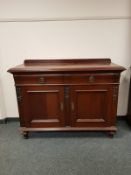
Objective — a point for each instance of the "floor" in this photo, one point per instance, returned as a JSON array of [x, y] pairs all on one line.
[[66, 153]]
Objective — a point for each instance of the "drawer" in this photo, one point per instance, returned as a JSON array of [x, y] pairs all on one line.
[[38, 79], [92, 78]]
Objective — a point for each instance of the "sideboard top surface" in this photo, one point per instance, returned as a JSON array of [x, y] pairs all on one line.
[[67, 65]]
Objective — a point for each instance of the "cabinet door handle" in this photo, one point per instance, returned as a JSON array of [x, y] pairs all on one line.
[[72, 106], [61, 106]]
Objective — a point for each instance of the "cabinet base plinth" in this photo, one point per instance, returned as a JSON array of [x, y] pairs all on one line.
[[111, 130]]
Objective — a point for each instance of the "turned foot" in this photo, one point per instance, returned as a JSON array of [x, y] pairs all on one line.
[[111, 134], [25, 134]]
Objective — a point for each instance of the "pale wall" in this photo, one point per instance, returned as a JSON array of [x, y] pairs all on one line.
[[62, 39], [63, 8]]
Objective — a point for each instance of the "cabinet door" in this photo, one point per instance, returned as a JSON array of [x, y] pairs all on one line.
[[43, 106], [93, 106]]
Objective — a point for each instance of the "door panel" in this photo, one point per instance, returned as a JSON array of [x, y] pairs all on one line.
[[91, 105], [45, 106]]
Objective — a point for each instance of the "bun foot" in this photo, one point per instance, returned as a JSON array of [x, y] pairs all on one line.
[[25, 134], [111, 134]]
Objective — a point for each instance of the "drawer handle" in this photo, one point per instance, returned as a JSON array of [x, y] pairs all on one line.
[[91, 79], [41, 80]]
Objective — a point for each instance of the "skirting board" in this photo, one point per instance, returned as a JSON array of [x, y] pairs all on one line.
[[16, 119], [10, 119]]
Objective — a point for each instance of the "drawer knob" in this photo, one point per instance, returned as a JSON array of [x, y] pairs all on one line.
[[91, 79], [41, 80]]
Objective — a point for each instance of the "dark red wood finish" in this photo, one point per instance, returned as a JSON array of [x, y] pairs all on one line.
[[67, 94]]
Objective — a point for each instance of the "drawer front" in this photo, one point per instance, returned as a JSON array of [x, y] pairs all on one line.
[[38, 79], [66, 79], [93, 79]]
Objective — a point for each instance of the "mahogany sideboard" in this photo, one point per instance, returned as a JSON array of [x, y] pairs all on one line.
[[67, 95]]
